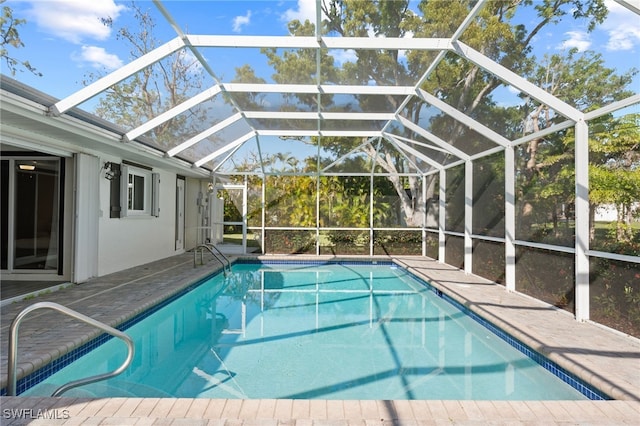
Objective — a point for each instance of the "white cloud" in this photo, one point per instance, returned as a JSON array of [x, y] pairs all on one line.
[[342, 56], [240, 21], [576, 39], [306, 10], [622, 27], [97, 57], [75, 20]]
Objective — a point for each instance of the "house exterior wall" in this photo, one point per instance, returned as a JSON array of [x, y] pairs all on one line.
[[95, 244], [133, 240]]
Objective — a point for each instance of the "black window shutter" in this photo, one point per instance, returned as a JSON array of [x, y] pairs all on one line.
[[114, 209]]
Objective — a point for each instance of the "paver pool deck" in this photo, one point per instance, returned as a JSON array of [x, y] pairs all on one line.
[[608, 360]]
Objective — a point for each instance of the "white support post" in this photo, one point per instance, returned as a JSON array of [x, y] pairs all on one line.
[[245, 213], [582, 221], [424, 216], [510, 218], [442, 215], [468, 217], [87, 213], [263, 204], [371, 206], [318, 188]]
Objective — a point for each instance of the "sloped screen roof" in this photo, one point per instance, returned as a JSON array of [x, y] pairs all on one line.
[[361, 87]]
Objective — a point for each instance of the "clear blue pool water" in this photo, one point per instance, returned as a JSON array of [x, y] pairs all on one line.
[[330, 331]]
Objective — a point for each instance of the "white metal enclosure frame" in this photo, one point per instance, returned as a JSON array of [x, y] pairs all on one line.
[[573, 118]]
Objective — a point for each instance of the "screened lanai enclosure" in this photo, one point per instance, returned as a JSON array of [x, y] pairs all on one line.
[[427, 128]]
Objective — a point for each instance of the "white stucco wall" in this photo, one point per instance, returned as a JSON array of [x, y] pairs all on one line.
[[135, 240]]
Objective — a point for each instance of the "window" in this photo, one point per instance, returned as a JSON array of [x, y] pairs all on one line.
[[139, 191], [136, 192]]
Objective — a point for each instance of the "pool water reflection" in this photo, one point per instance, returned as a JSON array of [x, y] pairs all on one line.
[[329, 331]]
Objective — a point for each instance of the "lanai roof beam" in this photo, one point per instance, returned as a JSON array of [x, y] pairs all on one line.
[[405, 155], [415, 142], [322, 89], [116, 76], [194, 50], [219, 152], [342, 157], [289, 42], [404, 147], [634, 7], [517, 81], [463, 118], [168, 115], [328, 133], [313, 115], [204, 134], [544, 132], [615, 106], [433, 138]]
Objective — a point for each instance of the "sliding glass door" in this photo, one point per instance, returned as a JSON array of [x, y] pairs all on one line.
[[30, 214]]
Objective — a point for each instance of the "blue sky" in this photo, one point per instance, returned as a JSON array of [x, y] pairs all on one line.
[[65, 40]]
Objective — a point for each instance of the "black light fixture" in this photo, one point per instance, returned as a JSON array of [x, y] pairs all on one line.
[[110, 172]]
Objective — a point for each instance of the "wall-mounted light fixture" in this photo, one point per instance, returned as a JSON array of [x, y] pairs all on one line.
[[110, 172], [29, 167]]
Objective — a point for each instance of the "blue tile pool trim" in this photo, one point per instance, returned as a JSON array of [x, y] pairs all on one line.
[[58, 364], [558, 371], [317, 262], [569, 378], [572, 380]]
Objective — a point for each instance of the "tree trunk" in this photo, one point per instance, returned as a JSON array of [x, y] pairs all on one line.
[[554, 217], [592, 222]]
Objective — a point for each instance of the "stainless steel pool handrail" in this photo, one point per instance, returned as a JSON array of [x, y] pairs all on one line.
[[213, 247], [215, 251], [13, 347]]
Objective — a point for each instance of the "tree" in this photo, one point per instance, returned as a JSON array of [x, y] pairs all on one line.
[[547, 171], [11, 37], [460, 83], [614, 171], [154, 89], [580, 79], [248, 101]]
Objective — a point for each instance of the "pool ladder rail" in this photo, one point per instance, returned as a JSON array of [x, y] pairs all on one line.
[[13, 347], [215, 251]]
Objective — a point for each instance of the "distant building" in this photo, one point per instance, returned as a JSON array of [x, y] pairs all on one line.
[[609, 212]]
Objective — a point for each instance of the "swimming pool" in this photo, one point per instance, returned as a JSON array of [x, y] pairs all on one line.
[[330, 331]]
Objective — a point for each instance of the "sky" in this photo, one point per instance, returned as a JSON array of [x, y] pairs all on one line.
[[65, 40]]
